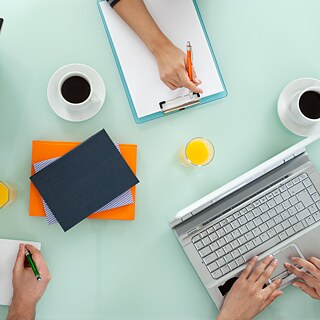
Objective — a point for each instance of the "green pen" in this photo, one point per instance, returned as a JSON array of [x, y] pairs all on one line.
[[33, 265]]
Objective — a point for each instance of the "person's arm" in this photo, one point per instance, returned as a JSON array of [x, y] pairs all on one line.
[[309, 280], [170, 59], [27, 290], [247, 296]]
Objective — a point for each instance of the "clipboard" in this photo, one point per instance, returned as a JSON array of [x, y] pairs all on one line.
[[148, 97]]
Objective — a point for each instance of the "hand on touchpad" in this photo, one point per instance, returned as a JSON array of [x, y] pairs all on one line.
[[284, 256]]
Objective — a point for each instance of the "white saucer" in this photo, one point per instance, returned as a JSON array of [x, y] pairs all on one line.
[[59, 107], [284, 109]]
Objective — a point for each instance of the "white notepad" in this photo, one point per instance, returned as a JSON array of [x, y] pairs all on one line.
[[8, 255], [180, 22]]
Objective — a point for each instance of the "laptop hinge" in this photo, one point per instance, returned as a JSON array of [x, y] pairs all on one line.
[[191, 231], [295, 154], [185, 217], [174, 222]]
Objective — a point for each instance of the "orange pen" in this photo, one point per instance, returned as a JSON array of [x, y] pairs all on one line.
[[189, 61]]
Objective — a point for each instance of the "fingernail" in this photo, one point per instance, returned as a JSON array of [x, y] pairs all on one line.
[[294, 259], [275, 262], [287, 265], [295, 285], [277, 281]]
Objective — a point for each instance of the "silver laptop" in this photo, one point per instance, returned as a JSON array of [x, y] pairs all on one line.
[[272, 209]]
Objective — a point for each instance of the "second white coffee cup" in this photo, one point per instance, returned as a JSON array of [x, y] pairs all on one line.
[[299, 114]]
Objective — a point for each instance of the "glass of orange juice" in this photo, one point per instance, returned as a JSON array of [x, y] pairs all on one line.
[[198, 152], [7, 194]]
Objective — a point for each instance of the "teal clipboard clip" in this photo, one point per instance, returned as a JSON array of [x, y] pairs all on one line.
[[165, 110]]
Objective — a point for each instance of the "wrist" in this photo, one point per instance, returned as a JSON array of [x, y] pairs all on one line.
[[159, 45], [20, 309], [221, 317], [224, 316]]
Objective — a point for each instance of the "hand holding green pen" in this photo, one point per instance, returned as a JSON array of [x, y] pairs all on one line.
[[33, 265], [27, 291]]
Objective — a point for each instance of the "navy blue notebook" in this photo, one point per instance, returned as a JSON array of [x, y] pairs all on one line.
[[84, 179]]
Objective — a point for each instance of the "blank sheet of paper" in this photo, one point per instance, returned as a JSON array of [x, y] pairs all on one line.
[[179, 21], [8, 252]]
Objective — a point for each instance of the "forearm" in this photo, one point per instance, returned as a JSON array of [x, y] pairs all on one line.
[[18, 311], [137, 16]]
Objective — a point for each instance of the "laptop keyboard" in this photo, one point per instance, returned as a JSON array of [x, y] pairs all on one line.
[[258, 226]]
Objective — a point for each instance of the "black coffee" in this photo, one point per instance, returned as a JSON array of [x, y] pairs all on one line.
[[309, 104], [75, 89]]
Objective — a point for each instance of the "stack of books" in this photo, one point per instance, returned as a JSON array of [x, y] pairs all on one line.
[[71, 181]]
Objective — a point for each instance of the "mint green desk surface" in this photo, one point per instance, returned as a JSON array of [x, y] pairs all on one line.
[[136, 270]]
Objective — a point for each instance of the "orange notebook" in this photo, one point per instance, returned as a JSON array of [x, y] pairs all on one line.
[[43, 150]]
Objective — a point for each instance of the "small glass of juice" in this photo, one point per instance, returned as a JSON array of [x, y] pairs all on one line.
[[7, 194], [198, 152]]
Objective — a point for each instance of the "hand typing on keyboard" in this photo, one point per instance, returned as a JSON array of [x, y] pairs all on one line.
[[311, 284], [248, 296]]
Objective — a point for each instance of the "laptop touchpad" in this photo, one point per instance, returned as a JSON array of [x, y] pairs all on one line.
[[284, 255]]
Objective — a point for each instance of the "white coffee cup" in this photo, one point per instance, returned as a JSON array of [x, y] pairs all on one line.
[[298, 116], [91, 99]]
